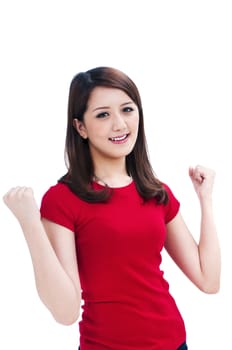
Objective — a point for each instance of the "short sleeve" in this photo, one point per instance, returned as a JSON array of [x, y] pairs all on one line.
[[58, 206], [172, 207]]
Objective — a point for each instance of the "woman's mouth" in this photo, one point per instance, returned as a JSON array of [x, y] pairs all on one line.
[[119, 139]]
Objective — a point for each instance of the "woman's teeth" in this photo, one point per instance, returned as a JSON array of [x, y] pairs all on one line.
[[119, 138]]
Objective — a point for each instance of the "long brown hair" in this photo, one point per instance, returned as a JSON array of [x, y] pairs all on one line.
[[77, 154]]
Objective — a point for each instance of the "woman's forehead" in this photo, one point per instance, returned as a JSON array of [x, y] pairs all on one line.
[[107, 96]]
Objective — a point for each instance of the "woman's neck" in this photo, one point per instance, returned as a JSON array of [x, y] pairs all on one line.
[[112, 174]]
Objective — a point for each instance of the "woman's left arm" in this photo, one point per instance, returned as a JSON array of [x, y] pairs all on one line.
[[201, 262]]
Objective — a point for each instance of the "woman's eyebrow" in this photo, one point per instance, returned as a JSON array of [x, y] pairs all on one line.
[[102, 107], [127, 103], [107, 107]]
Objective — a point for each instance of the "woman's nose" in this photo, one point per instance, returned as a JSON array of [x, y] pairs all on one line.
[[118, 122]]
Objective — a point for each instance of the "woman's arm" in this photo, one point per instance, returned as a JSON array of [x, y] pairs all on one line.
[[53, 256], [200, 262]]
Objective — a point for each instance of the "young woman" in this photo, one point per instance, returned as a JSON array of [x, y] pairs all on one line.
[[99, 233]]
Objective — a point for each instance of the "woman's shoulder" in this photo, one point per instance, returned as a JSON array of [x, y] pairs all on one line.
[[59, 189], [60, 205], [173, 204], [167, 188], [60, 193]]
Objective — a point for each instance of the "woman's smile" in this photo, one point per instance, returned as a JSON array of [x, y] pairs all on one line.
[[119, 139]]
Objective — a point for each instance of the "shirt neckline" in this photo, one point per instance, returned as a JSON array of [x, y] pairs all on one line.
[[114, 188]]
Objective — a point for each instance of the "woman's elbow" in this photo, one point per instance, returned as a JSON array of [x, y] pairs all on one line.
[[212, 288], [65, 313], [66, 319]]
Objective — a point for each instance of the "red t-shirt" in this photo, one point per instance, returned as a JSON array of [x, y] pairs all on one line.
[[127, 304]]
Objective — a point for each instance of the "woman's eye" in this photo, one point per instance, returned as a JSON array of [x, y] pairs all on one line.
[[127, 109], [102, 115]]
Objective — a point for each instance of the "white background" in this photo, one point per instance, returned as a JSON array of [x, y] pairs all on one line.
[[179, 54]]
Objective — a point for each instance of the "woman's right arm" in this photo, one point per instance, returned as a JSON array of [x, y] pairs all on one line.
[[53, 254]]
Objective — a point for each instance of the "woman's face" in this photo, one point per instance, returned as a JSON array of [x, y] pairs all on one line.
[[110, 123]]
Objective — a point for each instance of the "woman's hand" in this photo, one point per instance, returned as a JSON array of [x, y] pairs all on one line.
[[203, 180], [21, 202]]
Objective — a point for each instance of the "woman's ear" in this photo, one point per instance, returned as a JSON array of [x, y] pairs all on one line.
[[80, 128]]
